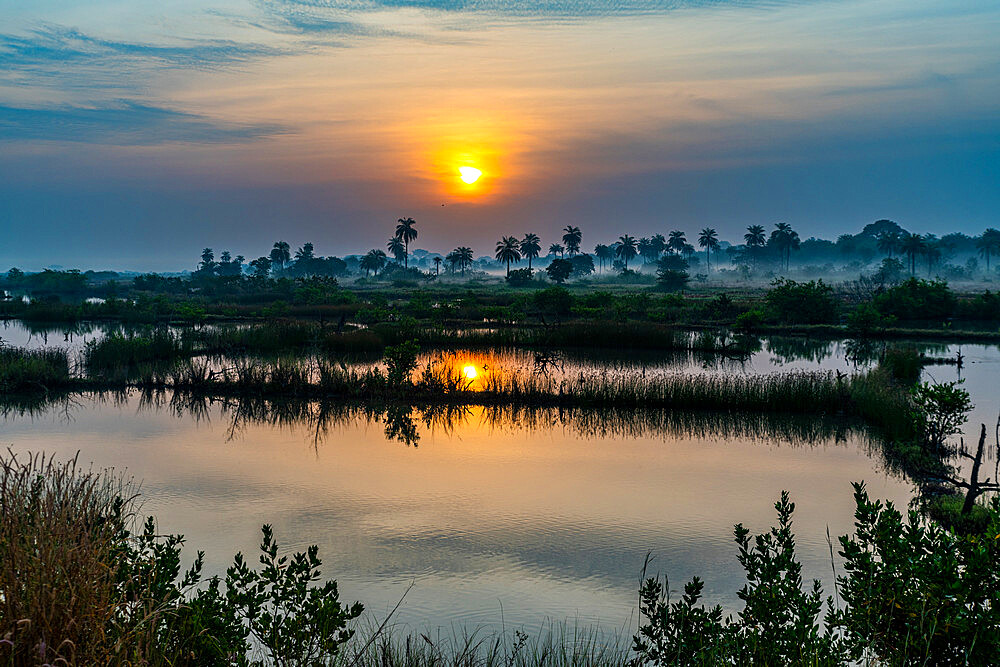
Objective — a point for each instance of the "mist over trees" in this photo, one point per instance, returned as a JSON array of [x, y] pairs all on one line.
[[883, 250]]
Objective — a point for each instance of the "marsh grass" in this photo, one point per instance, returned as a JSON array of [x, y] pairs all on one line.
[[121, 349], [794, 392], [554, 644], [59, 529], [33, 370]]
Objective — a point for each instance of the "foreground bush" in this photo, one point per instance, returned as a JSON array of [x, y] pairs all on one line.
[[79, 587], [913, 593]]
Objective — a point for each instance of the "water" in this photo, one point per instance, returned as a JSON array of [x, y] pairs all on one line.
[[524, 516], [545, 517]]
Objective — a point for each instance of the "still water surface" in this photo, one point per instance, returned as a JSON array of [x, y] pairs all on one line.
[[524, 516]]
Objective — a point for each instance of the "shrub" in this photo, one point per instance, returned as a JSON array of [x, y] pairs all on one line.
[[77, 587], [401, 361], [520, 277], [791, 302], [559, 270], [915, 593], [917, 299], [553, 300], [749, 321], [672, 281], [778, 625], [866, 320], [941, 410]]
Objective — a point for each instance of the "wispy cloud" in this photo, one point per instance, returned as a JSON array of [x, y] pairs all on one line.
[[57, 45], [124, 123], [528, 7]]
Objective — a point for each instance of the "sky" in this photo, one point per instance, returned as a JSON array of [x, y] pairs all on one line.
[[133, 134]]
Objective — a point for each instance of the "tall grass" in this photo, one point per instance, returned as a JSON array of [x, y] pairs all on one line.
[[119, 349], [553, 645], [24, 370], [59, 531], [795, 392]]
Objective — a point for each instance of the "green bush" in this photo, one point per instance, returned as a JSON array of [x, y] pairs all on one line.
[[913, 593], [866, 320], [520, 278], [791, 302], [917, 299]]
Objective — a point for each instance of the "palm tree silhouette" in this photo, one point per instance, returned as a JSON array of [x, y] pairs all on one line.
[[373, 261], [397, 247], [572, 239], [677, 241], [626, 249], [508, 250], [281, 254], [913, 245], [461, 256], [406, 233], [556, 249], [531, 246], [888, 242], [437, 265], [755, 240], [989, 245], [708, 239], [604, 254], [785, 239]]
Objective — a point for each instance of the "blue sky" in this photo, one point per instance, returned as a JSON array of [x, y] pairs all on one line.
[[131, 136]]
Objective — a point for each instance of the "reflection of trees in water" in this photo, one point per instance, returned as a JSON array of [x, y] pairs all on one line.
[[789, 349], [403, 422], [406, 423]]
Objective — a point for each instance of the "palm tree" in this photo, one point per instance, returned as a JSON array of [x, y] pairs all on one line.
[[281, 254], [755, 240], [373, 261], [556, 249], [531, 246], [932, 252], [437, 265], [677, 241], [572, 239], [913, 245], [604, 253], [989, 245], [461, 256], [406, 233], [709, 240], [397, 247], [658, 245], [785, 239], [626, 248], [645, 248], [888, 242], [207, 259], [508, 250]]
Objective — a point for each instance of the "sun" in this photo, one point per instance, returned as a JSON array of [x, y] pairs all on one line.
[[469, 175], [470, 372]]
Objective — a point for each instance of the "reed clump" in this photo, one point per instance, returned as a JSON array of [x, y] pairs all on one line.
[[794, 392], [24, 370], [60, 528], [119, 349]]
